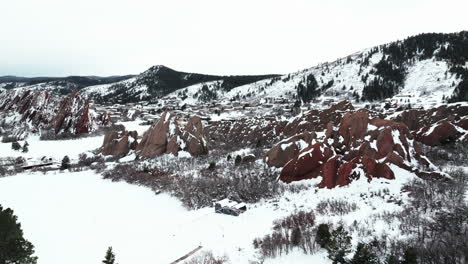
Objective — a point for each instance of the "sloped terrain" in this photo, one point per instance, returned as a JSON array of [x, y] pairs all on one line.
[[427, 69], [159, 81]]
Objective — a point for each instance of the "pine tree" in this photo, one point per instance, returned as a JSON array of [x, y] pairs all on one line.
[[15, 145], [339, 246], [410, 256], [25, 147], [14, 248], [65, 163], [110, 257], [364, 255], [323, 235], [392, 259]]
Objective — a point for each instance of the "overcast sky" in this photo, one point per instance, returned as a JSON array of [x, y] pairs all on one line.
[[111, 37]]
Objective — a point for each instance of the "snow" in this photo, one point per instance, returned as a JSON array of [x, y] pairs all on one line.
[[63, 212], [298, 257], [56, 149], [427, 82]]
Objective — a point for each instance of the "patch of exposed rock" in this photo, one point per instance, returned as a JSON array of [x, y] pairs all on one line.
[[437, 126], [70, 114], [119, 143], [168, 135], [360, 146]]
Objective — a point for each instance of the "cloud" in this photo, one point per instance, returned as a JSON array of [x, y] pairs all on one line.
[[108, 37]]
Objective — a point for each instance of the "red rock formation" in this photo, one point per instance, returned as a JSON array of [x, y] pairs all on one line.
[[448, 117], [119, 143], [166, 136], [285, 150], [439, 134], [355, 148], [69, 114]]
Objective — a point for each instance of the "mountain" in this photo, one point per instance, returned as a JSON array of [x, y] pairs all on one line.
[[427, 67], [159, 81], [60, 85]]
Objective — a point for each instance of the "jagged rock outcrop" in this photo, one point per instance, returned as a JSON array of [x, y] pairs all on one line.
[[287, 149], [167, 136], [437, 126], [119, 143], [360, 146], [440, 133], [258, 131], [41, 110]]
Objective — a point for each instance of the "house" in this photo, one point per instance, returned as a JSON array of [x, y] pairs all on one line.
[[229, 207]]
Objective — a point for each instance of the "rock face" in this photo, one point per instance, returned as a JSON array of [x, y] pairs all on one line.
[[287, 149], [439, 134], [39, 109], [119, 143], [166, 136], [269, 130], [360, 147], [73, 116], [438, 126]]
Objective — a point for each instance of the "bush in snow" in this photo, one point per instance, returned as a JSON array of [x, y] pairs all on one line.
[[15, 145], [337, 207], [65, 163], [241, 184], [207, 257], [450, 154], [435, 222], [294, 231]]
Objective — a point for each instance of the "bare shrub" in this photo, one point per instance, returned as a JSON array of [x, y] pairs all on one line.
[[436, 220], [337, 207], [207, 257], [294, 231], [451, 154]]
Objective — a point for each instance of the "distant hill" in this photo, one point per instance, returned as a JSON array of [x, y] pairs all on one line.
[[427, 67], [159, 81]]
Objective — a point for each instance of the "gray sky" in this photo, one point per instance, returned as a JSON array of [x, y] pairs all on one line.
[[110, 37]]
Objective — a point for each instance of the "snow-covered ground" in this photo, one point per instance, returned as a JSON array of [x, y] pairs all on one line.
[[63, 212], [55, 149]]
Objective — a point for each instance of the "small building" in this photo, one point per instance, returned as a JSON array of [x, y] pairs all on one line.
[[229, 207]]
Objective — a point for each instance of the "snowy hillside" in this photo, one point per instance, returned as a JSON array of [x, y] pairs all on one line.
[[429, 79], [159, 81]]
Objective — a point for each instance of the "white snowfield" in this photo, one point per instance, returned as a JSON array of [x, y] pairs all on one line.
[[73, 217]]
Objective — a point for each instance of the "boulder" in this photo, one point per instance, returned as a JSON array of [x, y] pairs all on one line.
[[119, 143], [439, 134], [360, 147], [354, 126], [167, 136], [286, 149]]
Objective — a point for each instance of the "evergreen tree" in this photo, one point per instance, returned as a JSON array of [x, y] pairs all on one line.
[[339, 246], [65, 163], [307, 89], [323, 235], [410, 256], [364, 255], [14, 248], [25, 147], [392, 259], [15, 145], [110, 257]]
